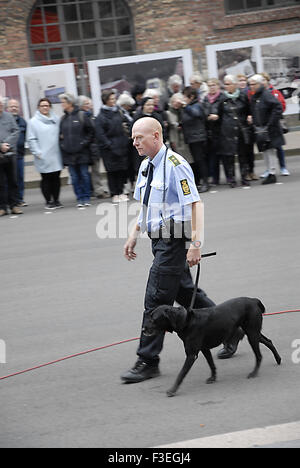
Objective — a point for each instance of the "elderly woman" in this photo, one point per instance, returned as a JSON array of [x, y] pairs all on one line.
[[113, 143], [266, 113], [197, 83], [234, 130], [174, 84], [43, 140], [211, 104], [176, 137]]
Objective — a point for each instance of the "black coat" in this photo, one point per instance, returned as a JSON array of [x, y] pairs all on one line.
[[193, 123], [22, 137], [112, 140], [234, 129], [139, 114], [76, 136], [212, 126], [266, 111]]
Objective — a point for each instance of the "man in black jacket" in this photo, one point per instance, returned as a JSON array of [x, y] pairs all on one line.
[[9, 133], [13, 106], [76, 136]]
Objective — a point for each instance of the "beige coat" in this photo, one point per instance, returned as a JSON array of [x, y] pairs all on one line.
[[176, 136]]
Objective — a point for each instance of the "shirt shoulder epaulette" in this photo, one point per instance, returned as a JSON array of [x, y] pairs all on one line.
[[174, 160]]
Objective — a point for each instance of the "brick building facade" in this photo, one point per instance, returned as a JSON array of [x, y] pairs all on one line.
[[159, 25]]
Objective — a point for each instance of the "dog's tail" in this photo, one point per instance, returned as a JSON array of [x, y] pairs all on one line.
[[261, 306]]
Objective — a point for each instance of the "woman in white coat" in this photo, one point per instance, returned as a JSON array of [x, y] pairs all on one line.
[[43, 140]]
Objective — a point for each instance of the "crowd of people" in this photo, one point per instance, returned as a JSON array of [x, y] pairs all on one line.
[[208, 123]]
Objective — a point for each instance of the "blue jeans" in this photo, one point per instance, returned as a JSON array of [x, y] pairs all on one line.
[[20, 178], [81, 182]]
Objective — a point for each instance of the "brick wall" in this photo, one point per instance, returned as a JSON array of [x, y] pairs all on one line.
[[160, 25]]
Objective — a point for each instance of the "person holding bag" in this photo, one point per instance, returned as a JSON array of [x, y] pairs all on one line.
[[266, 113], [9, 133]]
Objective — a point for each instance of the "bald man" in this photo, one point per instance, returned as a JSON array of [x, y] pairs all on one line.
[[173, 216]]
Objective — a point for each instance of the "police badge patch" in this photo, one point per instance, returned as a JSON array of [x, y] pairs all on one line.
[[185, 187]]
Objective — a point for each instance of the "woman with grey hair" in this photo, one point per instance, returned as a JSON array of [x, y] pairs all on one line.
[[266, 113], [234, 130], [176, 137], [197, 82], [174, 84]]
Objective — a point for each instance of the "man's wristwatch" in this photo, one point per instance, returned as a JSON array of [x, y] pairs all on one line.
[[197, 244]]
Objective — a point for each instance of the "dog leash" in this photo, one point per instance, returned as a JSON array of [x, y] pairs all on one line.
[[210, 254]]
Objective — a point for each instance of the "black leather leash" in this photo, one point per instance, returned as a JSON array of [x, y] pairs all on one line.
[[210, 254]]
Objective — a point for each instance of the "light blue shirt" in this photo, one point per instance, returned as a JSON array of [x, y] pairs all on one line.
[[178, 190]]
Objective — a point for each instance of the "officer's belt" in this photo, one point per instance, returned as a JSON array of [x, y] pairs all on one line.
[[173, 230]]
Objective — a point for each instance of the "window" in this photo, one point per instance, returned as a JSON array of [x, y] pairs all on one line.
[[240, 6], [79, 30]]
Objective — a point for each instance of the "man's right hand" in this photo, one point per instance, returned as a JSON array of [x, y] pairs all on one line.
[[129, 247], [5, 147]]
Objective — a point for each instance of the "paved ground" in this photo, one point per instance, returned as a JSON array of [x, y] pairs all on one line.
[[64, 290]]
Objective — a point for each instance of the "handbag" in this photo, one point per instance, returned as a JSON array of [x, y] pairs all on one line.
[[262, 137]]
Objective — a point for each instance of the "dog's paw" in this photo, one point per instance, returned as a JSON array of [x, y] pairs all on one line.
[[171, 392], [252, 375]]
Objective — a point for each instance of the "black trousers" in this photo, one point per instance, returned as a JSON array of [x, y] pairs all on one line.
[[50, 186], [8, 185], [116, 181], [199, 153], [169, 280]]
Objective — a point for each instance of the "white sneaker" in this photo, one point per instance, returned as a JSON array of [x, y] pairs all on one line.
[[115, 199], [123, 198], [284, 171], [264, 175]]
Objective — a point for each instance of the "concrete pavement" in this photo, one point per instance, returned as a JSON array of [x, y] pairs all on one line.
[[64, 290]]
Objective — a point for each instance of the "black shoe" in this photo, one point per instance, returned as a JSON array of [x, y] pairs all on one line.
[[58, 205], [50, 206], [271, 179], [230, 348], [141, 371]]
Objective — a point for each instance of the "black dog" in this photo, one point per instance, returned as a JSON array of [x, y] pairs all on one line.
[[204, 329]]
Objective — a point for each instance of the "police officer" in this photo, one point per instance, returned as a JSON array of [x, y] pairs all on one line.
[[170, 207]]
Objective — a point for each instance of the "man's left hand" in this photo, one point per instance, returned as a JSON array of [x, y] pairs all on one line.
[[193, 256]]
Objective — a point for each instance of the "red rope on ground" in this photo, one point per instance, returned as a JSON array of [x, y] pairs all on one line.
[[104, 347]]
